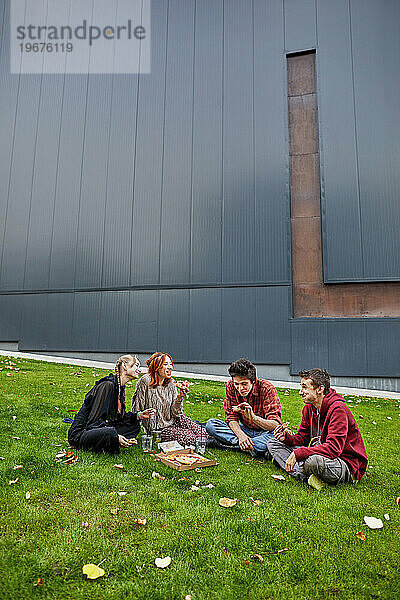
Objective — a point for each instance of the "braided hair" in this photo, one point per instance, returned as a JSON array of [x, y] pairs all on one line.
[[121, 391]]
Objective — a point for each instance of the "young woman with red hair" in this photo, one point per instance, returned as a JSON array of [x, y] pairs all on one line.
[[158, 390]]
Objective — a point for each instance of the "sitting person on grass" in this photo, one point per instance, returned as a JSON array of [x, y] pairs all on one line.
[[328, 448], [159, 391], [252, 411], [102, 422]]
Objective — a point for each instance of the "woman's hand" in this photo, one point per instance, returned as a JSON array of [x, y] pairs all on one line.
[[125, 443], [147, 414], [183, 387]]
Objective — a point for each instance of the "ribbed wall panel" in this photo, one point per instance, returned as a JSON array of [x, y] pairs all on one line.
[[176, 183], [341, 232], [376, 59], [206, 226], [146, 224], [300, 24]]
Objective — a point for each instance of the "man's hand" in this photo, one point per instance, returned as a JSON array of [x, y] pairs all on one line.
[[247, 411], [245, 442], [291, 461], [146, 414], [280, 432]]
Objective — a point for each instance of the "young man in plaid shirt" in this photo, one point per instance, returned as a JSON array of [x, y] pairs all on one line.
[[252, 411]]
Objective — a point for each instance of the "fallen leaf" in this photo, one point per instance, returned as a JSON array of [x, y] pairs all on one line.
[[255, 502], [162, 563], [13, 481], [361, 536], [197, 482], [122, 493], [283, 550], [85, 524], [114, 511], [2, 458], [194, 488], [61, 454], [278, 477], [14, 437], [257, 557], [38, 582], [156, 475], [188, 597], [140, 521], [246, 562], [27, 495], [373, 523], [119, 466], [386, 517], [92, 571], [398, 500], [209, 485], [227, 502], [18, 467]]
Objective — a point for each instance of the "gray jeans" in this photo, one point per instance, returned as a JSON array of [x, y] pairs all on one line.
[[331, 471]]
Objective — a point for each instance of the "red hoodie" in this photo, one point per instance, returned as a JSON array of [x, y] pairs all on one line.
[[340, 436]]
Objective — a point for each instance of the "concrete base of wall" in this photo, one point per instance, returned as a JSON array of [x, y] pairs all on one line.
[[278, 374]]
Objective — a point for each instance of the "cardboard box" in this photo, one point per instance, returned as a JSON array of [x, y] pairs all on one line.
[[163, 457]]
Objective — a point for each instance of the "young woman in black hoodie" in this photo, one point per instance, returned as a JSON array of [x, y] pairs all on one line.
[[102, 423]]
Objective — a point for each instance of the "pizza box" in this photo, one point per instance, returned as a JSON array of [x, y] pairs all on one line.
[[163, 457]]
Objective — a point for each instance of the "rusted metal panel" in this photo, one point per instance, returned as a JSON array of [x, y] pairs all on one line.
[[303, 126], [301, 75], [304, 185], [306, 250]]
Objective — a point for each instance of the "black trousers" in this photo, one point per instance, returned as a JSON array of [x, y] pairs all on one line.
[[106, 438]]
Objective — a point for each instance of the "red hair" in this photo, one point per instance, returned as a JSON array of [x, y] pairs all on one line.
[[154, 363]]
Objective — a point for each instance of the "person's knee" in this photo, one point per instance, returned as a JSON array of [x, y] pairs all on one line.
[[211, 426], [273, 444], [314, 465]]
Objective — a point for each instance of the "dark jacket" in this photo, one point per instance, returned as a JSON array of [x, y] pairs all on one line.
[[340, 436], [100, 409]]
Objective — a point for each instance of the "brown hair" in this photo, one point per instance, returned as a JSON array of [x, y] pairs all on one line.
[[154, 363], [318, 377]]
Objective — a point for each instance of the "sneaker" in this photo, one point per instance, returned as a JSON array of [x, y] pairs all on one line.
[[316, 483]]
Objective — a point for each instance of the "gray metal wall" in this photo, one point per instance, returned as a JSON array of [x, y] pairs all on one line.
[[149, 212]]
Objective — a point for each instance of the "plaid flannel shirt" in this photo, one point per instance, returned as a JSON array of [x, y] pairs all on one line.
[[263, 399]]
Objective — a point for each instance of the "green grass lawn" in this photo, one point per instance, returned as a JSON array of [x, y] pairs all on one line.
[[210, 546]]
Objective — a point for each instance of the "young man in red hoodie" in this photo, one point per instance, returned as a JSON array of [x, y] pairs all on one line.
[[328, 448]]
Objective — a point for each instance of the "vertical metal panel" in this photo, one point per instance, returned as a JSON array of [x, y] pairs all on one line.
[[176, 191], [173, 323], [25, 140], [59, 320], [309, 345], [143, 319], [347, 345], [272, 224], [342, 252], [376, 60], [86, 321], [272, 335], [207, 144], [205, 325], [114, 315], [238, 323], [145, 257], [34, 334], [66, 210], [9, 85], [10, 317], [239, 252], [383, 347], [120, 179], [89, 255], [300, 25]]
